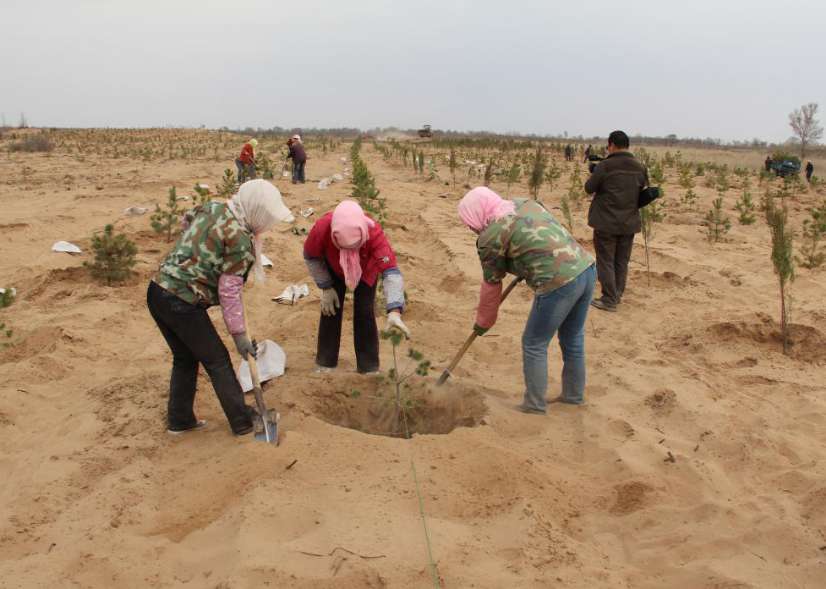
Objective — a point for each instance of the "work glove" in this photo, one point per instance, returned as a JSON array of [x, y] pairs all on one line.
[[478, 330], [329, 302], [244, 346], [394, 319]]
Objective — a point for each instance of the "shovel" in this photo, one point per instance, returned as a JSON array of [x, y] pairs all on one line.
[[266, 423], [446, 374]]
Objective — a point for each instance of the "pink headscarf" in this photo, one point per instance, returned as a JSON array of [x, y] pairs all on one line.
[[351, 230], [481, 206]]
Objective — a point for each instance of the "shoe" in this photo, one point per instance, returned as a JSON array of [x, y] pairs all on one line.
[[530, 410], [244, 431], [323, 369], [199, 425], [603, 306], [559, 399]]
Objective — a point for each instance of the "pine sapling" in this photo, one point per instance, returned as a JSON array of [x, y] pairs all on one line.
[[399, 375], [782, 256], [716, 222], [452, 164], [114, 256], [513, 175], [202, 194], [566, 213], [165, 221], [229, 184], [814, 230], [689, 199], [537, 176], [552, 174], [651, 214], [745, 206], [488, 172]]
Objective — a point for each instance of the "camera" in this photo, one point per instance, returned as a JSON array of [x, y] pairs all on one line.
[[592, 162]]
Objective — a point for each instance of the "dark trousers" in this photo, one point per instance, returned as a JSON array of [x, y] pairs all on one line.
[[245, 171], [192, 338], [298, 172], [613, 255], [365, 332]]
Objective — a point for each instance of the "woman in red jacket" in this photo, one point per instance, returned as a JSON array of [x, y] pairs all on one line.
[[348, 249]]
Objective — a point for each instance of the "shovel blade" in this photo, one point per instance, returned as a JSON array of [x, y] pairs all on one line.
[[266, 429]]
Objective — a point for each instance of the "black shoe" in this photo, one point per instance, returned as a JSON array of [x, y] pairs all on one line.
[[175, 431], [603, 306]]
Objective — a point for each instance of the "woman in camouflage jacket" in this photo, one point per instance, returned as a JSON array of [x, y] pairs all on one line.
[[522, 238], [208, 266]]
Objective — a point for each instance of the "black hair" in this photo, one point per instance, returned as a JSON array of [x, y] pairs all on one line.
[[619, 139]]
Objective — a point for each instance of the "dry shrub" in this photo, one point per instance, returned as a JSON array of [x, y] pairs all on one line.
[[33, 143]]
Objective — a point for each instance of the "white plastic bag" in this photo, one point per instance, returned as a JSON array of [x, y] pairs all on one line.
[[323, 184], [271, 364], [66, 247], [135, 211], [338, 178], [266, 262], [292, 293]]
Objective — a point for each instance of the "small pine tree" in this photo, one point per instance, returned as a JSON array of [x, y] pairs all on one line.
[[689, 199], [552, 174], [813, 231], [513, 175], [782, 259], [488, 172], [421, 162], [537, 176], [114, 256], [566, 214], [452, 164], [166, 220], [651, 214], [716, 222], [229, 185], [575, 191], [745, 206]]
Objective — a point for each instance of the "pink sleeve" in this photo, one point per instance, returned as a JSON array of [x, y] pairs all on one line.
[[490, 295], [229, 294]]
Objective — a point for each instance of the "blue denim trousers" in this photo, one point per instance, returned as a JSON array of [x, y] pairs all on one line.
[[561, 311]]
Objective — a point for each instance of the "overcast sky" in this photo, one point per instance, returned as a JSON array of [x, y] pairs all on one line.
[[731, 69]]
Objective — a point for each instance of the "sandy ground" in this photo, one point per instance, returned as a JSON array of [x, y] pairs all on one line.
[[699, 460]]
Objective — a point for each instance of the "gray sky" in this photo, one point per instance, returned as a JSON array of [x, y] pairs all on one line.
[[731, 69]]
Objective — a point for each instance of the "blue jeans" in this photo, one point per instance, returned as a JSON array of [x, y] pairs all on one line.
[[563, 310], [298, 172]]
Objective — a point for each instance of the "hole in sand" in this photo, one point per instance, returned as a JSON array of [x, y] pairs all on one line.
[[368, 404]]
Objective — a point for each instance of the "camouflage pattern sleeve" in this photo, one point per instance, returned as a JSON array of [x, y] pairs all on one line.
[[491, 253]]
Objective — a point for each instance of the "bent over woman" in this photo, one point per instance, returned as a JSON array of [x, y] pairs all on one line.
[[347, 249], [208, 266]]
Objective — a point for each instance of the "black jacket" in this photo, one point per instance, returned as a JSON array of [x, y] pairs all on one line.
[[297, 153], [616, 184]]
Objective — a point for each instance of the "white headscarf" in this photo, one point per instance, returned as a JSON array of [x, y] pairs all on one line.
[[258, 206]]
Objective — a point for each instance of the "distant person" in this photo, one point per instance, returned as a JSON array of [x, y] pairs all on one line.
[[246, 161], [587, 153], [810, 169], [522, 238], [768, 163], [299, 157], [208, 266], [569, 153], [615, 217]]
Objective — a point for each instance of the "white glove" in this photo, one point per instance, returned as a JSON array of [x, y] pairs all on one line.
[[329, 302], [394, 319]]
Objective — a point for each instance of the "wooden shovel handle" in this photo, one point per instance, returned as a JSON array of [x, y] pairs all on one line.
[[446, 374]]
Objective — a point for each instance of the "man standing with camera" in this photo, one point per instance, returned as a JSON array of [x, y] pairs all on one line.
[[615, 184]]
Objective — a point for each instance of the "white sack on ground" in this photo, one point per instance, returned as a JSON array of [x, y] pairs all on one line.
[[66, 247], [292, 293], [271, 364]]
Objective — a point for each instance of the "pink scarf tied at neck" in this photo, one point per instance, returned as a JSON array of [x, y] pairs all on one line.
[[351, 230], [481, 206]]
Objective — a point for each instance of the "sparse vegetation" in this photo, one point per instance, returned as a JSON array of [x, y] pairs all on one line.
[[39, 143], [745, 206], [814, 229], [537, 176], [651, 214]]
